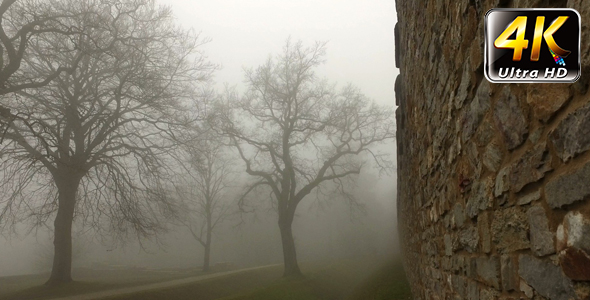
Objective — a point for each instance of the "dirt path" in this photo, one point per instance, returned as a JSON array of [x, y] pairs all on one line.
[[154, 286]]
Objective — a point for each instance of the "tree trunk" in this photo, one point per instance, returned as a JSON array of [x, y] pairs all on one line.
[[61, 271], [206, 260], [289, 252]]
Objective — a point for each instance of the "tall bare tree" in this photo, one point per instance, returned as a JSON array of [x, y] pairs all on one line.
[[297, 133], [204, 192], [91, 144]]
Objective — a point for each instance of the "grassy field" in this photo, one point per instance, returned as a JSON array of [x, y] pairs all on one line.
[[30, 287], [344, 279], [214, 288], [354, 280], [388, 283]]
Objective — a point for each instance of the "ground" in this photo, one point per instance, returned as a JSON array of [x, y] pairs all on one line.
[[344, 279], [30, 287]]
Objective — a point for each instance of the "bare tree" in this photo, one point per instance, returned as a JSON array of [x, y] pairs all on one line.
[[91, 144], [296, 133], [20, 25], [204, 191]]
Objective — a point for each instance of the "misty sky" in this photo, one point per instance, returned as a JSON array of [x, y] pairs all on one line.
[[244, 33]]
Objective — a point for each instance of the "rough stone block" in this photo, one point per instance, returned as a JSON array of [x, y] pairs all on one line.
[[472, 290], [488, 294], [477, 109], [526, 289], [502, 182], [542, 242], [572, 135], [577, 230], [492, 157], [510, 230], [528, 198], [448, 245], [459, 214], [458, 283], [471, 267], [569, 188], [469, 239], [510, 119], [509, 273], [575, 263], [483, 223], [488, 271], [465, 86], [480, 198], [546, 278], [538, 93], [530, 167]]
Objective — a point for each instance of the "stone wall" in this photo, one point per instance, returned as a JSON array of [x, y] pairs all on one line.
[[494, 179]]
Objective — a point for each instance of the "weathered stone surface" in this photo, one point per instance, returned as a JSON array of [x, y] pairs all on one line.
[[536, 135], [483, 223], [456, 133], [488, 294], [572, 135], [469, 239], [577, 230], [575, 263], [477, 109], [531, 167], [509, 273], [465, 86], [459, 214], [510, 230], [480, 198], [502, 182], [569, 188], [510, 119], [582, 289], [488, 270], [526, 289], [538, 93], [492, 157], [448, 245], [472, 290], [542, 242], [458, 263], [560, 238], [485, 133], [471, 267], [528, 198], [545, 277], [475, 163], [459, 287]]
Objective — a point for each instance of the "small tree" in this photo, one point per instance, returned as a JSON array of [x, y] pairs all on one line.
[[295, 133], [205, 190], [91, 144]]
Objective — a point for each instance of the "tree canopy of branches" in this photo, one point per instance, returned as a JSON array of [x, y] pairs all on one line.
[[20, 25], [287, 116], [204, 192], [90, 144]]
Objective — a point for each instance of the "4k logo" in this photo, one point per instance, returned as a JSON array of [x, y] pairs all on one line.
[[532, 45]]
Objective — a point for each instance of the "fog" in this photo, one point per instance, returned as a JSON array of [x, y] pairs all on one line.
[[243, 34], [324, 230]]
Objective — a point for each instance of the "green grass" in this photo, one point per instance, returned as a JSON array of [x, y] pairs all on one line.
[[30, 287], [388, 283], [345, 279], [213, 288], [338, 281]]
